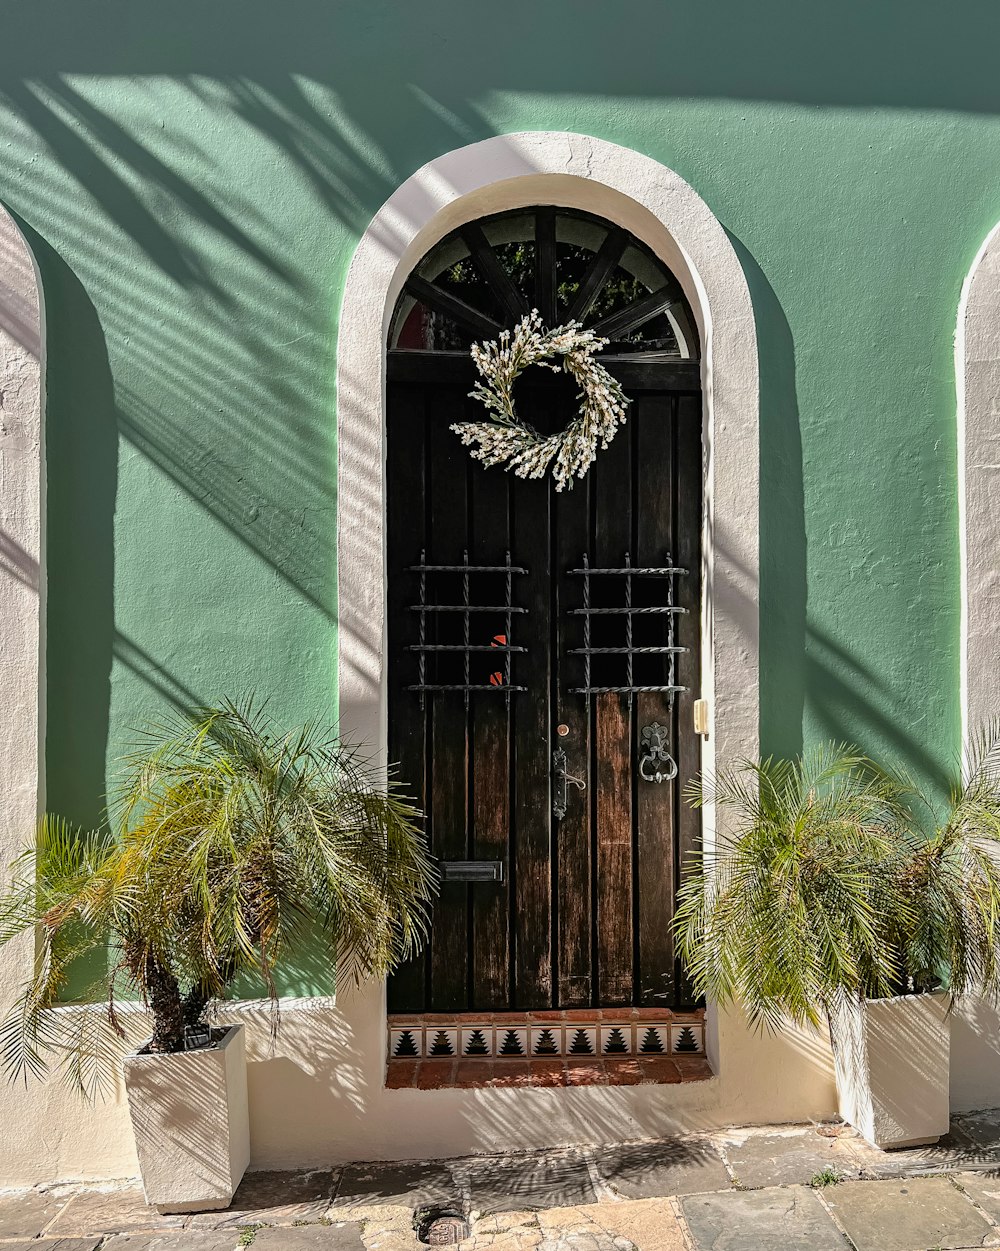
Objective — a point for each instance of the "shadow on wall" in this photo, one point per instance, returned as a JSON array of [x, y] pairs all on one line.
[[209, 296], [783, 586], [188, 396], [82, 474], [909, 57], [838, 689], [305, 1087]]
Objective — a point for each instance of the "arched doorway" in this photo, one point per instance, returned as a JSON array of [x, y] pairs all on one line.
[[543, 648]]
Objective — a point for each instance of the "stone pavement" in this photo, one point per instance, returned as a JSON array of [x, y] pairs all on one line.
[[792, 1188]]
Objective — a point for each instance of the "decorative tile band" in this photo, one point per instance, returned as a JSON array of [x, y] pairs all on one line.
[[575, 1037]]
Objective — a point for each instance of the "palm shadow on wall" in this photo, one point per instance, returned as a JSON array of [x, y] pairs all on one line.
[[811, 684], [183, 403], [194, 400]]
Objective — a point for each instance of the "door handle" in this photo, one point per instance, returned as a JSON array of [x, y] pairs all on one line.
[[561, 781]]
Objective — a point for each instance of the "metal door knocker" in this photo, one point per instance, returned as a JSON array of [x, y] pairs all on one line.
[[655, 763], [561, 782]]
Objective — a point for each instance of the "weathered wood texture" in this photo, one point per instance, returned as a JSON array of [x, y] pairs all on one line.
[[582, 916]]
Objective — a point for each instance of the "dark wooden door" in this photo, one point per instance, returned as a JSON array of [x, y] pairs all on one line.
[[524, 623]]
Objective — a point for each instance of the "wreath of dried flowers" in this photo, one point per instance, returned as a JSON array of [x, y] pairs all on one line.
[[505, 437]]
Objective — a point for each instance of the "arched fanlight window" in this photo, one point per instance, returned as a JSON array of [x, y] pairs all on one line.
[[487, 274]]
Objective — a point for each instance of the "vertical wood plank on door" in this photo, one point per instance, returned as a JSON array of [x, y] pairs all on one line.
[[531, 881], [688, 528], [571, 835], [614, 852], [654, 425], [447, 487], [583, 919], [490, 747], [613, 847], [405, 518]]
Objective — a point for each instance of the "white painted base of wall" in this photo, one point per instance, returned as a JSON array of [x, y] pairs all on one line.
[[975, 1055], [318, 1098], [892, 1064], [191, 1122]]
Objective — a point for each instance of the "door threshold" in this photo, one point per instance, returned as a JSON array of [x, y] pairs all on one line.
[[458, 1074], [578, 1034]]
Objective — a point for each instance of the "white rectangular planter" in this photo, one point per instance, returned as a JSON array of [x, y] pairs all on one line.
[[892, 1062], [191, 1123]]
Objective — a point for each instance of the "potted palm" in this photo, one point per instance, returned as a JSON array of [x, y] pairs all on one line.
[[229, 844], [842, 899]]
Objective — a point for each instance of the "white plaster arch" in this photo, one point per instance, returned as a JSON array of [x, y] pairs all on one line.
[[22, 580], [573, 171], [22, 583], [975, 1029], [655, 204], [977, 372]]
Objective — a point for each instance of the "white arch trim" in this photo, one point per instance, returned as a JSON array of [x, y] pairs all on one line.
[[654, 203], [975, 1030], [977, 371], [22, 583]]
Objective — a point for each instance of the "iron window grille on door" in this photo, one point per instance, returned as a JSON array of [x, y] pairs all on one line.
[[466, 648], [628, 610]]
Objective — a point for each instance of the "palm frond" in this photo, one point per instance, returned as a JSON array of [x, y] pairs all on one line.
[[790, 907], [231, 840], [840, 880]]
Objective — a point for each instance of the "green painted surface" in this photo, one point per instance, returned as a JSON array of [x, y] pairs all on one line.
[[196, 178]]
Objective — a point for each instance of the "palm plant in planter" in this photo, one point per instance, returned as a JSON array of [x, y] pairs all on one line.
[[842, 899], [231, 847]]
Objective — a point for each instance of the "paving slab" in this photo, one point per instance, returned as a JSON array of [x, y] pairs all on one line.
[[955, 1151], [273, 1198], [911, 1215], [411, 1185], [120, 1211], [386, 1216], [519, 1240], [341, 1236], [181, 1240], [760, 1160], [789, 1218], [507, 1231], [950, 1155], [579, 1238], [984, 1188], [393, 1240], [981, 1128], [651, 1170], [530, 1182], [25, 1213], [973, 1142], [646, 1224], [500, 1222], [54, 1244]]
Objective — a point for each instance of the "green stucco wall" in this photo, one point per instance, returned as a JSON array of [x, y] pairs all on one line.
[[195, 178]]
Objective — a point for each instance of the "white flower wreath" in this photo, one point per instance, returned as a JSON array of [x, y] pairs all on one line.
[[505, 437]]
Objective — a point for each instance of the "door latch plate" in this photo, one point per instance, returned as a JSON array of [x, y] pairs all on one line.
[[471, 870]]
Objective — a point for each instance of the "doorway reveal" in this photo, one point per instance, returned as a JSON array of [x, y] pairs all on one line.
[[544, 647]]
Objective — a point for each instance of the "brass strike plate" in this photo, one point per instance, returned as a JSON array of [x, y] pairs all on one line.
[[701, 717]]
